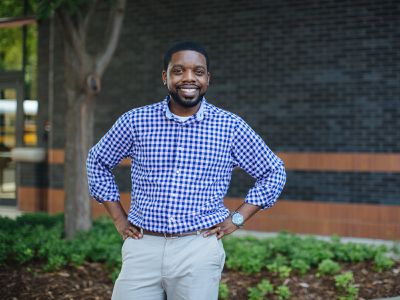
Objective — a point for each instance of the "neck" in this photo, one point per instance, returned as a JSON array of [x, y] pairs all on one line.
[[182, 111]]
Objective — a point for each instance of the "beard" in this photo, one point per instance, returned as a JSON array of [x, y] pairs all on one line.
[[186, 103]]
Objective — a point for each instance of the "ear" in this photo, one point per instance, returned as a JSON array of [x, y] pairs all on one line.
[[164, 77]]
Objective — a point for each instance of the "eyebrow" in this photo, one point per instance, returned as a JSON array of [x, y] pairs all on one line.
[[182, 66]]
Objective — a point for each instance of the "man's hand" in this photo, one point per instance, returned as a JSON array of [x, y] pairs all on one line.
[[221, 229], [126, 230], [227, 227]]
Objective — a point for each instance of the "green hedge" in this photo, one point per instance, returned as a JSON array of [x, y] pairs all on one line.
[[40, 236]]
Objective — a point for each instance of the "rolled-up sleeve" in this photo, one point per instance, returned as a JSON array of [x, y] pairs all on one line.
[[115, 145], [250, 153]]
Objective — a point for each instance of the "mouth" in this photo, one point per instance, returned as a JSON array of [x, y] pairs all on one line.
[[188, 91]]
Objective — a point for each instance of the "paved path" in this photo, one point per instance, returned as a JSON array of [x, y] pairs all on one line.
[[9, 211], [261, 234]]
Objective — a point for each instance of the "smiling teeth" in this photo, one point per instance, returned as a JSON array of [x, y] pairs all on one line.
[[188, 90]]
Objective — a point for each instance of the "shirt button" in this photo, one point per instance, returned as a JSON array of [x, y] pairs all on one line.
[[178, 171]]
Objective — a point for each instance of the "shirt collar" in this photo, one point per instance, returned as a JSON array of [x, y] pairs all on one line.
[[199, 115]]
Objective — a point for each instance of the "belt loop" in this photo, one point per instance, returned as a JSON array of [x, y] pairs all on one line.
[[141, 231]]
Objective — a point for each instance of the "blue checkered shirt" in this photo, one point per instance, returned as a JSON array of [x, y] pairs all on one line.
[[181, 171]]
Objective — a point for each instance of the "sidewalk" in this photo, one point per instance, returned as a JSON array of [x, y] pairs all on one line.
[[260, 234], [9, 211]]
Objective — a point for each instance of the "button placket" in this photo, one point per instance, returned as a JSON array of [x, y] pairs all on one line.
[[174, 194], [178, 152]]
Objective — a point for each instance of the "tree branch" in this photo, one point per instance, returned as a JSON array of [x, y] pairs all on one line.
[[89, 15], [71, 34], [104, 58]]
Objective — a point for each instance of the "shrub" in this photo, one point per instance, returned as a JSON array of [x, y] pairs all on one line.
[[40, 236], [55, 262], [284, 272], [328, 267], [5, 242], [246, 254], [223, 291], [345, 285], [278, 262], [382, 262], [39, 218], [261, 290], [352, 252], [300, 265], [22, 252], [283, 292]]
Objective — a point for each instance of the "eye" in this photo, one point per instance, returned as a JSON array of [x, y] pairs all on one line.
[[199, 72], [177, 71]]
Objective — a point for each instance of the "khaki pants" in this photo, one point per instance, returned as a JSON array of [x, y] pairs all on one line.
[[158, 268]]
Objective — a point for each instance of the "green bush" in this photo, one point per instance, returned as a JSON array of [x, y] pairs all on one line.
[[246, 254], [40, 236], [223, 291], [283, 292], [382, 262], [328, 267], [352, 252], [261, 290], [300, 265], [345, 285], [39, 218]]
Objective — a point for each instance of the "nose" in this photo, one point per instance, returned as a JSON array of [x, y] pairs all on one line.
[[188, 76]]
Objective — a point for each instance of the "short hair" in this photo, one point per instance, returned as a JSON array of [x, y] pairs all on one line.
[[185, 45]]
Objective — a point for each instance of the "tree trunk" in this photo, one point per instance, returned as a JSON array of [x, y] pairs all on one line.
[[79, 137], [82, 79]]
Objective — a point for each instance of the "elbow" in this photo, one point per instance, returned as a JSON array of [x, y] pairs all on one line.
[[278, 180], [90, 160], [281, 175]]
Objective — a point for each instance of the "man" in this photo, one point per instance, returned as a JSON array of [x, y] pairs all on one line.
[[183, 151]]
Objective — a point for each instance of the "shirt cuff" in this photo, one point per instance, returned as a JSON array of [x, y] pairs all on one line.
[[109, 197], [256, 197]]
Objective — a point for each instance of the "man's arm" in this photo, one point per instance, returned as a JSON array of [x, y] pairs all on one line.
[[115, 145], [118, 215], [250, 153], [227, 227]]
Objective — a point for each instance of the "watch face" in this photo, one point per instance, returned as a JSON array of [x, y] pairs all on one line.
[[237, 219]]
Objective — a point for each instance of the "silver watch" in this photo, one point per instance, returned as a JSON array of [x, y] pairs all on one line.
[[237, 219]]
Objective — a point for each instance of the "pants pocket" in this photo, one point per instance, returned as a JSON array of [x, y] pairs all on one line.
[[220, 251]]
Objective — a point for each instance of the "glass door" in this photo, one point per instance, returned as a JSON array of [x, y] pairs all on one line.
[[8, 116]]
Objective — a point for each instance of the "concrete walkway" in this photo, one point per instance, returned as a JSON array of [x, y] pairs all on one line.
[[261, 234], [9, 211]]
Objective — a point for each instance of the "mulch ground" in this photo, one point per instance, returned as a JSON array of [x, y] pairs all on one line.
[[92, 282]]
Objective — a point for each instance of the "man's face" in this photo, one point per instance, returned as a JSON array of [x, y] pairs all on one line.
[[187, 77]]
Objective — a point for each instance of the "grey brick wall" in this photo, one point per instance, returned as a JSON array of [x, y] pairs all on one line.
[[306, 75]]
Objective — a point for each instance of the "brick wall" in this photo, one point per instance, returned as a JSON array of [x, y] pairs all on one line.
[[308, 76]]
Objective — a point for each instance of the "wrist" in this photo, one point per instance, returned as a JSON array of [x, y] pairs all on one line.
[[120, 224], [237, 219]]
